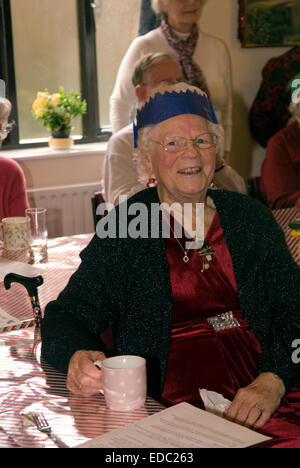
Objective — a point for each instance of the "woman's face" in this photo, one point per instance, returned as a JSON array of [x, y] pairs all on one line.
[[186, 175], [182, 14]]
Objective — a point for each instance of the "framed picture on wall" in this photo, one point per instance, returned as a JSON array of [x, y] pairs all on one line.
[[269, 23]]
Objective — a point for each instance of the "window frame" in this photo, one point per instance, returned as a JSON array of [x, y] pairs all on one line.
[[91, 129]]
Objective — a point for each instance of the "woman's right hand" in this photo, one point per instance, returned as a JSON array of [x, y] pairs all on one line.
[[84, 378]]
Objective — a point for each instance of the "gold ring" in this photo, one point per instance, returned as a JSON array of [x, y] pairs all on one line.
[[79, 387], [259, 408]]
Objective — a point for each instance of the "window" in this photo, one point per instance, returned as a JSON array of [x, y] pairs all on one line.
[[46, 55], [116, 27], [77, 44]]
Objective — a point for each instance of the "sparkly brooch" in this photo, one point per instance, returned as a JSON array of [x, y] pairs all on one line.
[[206, 253], [223, 321]]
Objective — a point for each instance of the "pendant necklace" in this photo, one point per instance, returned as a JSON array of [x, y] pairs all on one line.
[[185, 258], [205, 252]]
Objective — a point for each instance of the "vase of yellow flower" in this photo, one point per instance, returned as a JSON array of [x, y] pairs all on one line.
[[56, 111], [60, 141]]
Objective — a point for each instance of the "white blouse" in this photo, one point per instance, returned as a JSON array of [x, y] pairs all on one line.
[[211, 55]]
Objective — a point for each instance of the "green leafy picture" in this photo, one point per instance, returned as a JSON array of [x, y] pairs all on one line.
[[269, 23]]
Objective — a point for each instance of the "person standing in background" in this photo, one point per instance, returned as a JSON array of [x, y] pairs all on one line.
[[204, 60]]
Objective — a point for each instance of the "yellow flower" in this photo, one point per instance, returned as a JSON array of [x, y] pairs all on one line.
[[39, 105], [57, 110], [295, 233], [55, 98], [42, 95]]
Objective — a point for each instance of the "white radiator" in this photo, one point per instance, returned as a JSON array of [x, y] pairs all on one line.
[[69, 208]]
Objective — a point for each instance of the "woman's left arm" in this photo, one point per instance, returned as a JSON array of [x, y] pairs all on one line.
[[277, 373], [281, 277]]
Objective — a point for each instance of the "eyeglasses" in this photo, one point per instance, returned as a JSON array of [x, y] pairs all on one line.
[[177, 143]]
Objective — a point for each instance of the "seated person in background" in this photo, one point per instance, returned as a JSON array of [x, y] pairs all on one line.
[[120, 176], [13, 196], [270, 110], [222, 315], [280, 174]]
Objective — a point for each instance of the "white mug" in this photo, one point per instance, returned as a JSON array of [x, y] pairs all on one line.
[[125, 382], [15, 234]]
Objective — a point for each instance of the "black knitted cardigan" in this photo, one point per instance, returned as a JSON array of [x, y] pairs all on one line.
[[124, 283]]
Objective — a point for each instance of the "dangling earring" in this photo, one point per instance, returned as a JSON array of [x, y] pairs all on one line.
[[151, 182], [213, 185]]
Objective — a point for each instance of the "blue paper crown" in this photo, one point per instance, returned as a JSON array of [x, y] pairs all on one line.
[[167, 105]]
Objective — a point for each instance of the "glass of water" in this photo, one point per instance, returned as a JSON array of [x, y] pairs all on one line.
[[39, 234]]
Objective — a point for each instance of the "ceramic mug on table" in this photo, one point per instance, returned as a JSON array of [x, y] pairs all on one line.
[[15, 233], [125, 382]]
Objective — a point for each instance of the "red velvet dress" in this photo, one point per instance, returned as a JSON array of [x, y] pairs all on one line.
[[224, 360]]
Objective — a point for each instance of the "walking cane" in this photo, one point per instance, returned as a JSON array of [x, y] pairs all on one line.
[[31, 284]]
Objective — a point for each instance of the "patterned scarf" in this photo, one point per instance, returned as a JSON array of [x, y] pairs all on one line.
[[185, 50]]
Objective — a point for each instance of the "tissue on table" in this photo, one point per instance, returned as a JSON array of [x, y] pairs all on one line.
[[214, 402]]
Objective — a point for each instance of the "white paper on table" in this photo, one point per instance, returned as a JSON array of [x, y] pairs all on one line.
[[180, 426], [10, 266], [214, 402]]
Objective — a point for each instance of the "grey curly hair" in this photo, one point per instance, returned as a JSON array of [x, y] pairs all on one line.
[[144, 149], [5, 110], [143, 65], [161, 6]]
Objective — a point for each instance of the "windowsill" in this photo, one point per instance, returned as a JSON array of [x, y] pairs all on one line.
[[30, 154]]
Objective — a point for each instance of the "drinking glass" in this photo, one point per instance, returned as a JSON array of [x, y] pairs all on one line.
[[39, 234]]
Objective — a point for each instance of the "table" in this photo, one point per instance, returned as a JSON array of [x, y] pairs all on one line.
[[25, 387], [283, 217]]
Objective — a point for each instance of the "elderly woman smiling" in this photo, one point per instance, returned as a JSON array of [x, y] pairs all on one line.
[[179, 179], [219, 315]]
